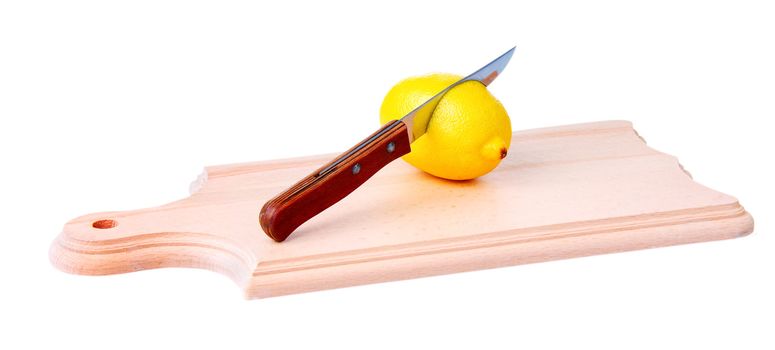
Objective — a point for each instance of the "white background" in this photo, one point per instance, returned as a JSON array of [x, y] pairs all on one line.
[[110, 105]]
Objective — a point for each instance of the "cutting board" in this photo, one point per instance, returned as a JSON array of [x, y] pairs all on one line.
[[562, 192]]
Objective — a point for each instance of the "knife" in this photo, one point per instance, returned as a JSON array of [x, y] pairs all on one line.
[[281, 215]]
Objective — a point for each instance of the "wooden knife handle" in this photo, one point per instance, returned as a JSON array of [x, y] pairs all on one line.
[[334, 181]]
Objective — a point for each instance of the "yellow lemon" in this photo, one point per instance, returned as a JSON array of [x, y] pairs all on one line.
[[468, 134]]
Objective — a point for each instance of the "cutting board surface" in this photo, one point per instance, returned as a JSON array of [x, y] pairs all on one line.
[[562, 192]]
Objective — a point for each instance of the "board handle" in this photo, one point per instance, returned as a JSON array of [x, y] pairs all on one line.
[[282, 214]]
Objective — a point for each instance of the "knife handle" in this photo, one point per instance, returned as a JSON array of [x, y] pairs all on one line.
[[334, 181]]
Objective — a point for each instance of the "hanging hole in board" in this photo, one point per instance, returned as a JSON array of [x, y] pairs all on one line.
[[104, 224]]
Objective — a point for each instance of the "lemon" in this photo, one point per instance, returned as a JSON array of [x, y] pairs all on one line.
[[468, 134]]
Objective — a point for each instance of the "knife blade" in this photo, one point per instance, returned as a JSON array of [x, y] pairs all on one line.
[[281, 215]]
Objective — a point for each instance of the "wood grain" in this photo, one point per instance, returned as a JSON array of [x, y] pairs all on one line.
[[562, 192], [329, 184]]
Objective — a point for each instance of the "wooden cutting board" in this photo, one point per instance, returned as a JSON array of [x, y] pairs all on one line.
[[562, 192]]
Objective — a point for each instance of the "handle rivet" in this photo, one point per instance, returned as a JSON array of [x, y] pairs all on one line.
[[356, 168], [391, 147]]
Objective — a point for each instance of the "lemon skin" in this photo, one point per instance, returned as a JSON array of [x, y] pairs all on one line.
[[468, 134]]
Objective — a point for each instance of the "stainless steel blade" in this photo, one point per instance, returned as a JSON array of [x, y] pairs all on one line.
[[417, 120]]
